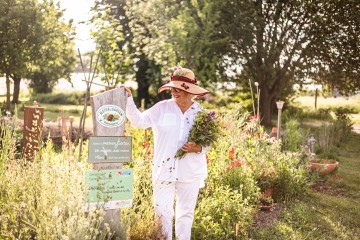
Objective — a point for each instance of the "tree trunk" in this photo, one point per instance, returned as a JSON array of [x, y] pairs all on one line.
[[266, 107], [16, 92], [143, 80], [8, 104]]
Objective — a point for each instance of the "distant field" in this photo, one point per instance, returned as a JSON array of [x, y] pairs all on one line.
[[351, 102], [331, 102]]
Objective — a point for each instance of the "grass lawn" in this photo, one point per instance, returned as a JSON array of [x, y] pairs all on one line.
[[329, 211]]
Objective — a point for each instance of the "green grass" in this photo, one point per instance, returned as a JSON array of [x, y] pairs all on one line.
[[322, 215]]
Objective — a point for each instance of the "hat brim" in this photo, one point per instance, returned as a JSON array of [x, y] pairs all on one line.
[[188, 87]]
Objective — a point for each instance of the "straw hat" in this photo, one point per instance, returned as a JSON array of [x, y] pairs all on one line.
[[185, 80]]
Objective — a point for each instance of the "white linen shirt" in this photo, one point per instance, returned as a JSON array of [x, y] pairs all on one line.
[[171, 129]]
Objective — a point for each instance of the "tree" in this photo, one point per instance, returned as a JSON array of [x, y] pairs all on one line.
[[273, 42], [54, 57], [115, 34], [278, 43], [185, 33], [339, 54], [34, 43], [109, 36], [17, 39]]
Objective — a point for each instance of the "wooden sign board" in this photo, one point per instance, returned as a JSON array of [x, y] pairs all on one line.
[[108, 114], [111, 189], [33, 124], [110, 149]]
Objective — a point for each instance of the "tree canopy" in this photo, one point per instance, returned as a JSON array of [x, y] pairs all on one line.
[[35, 43]]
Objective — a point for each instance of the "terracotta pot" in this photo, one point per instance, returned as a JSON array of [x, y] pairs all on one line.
[[268, 192], [266, 207], [323, 168]]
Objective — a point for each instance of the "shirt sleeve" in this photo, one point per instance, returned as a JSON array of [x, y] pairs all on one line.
[[139, 119], [205, 149]]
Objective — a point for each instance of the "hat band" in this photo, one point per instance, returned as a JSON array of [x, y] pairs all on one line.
[[183, 79]]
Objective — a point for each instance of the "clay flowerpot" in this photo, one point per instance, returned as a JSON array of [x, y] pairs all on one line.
[[266, 203], [324, 167], [268, 191]]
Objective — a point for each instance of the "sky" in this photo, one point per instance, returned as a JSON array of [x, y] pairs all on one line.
[[79, 10]]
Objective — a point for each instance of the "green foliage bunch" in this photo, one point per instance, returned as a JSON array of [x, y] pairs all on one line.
[[227, 166], [7, 143], [344, 123]]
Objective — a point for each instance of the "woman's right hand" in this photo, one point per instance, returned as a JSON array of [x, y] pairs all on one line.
[[128, 90]]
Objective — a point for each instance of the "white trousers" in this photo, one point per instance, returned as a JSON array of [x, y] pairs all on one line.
[[186, 194]]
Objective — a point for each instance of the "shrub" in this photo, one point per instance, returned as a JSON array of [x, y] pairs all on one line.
[[344, 123], [240, 178], [293, 176], [218, 212], [73, 98], [294, 137], [334, 132]]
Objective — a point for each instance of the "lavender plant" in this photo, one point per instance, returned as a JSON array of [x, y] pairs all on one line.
[[205, 131]]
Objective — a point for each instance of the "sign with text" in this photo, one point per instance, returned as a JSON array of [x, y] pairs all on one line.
[[112, 188], [110, 149]]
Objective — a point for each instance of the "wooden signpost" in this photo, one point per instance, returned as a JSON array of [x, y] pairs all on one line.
[[108, 149], [33, 123]]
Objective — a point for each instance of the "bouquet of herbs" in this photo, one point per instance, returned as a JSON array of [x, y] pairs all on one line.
[[204, 132]]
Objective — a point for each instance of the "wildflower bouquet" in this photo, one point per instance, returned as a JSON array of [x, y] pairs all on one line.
[[204, 132]]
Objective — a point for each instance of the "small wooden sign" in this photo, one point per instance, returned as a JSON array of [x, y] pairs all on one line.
[[111, 189], [33, 124], [110, 149]]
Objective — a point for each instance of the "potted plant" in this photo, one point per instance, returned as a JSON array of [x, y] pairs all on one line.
[[266, 180], [324, 164], [266, 202]]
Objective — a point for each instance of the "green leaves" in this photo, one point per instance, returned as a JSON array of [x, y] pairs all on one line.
[[110, 34], [55, 54], [35, 43]]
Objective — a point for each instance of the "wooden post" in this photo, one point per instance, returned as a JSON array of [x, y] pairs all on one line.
[[108, 114], [33, 124]]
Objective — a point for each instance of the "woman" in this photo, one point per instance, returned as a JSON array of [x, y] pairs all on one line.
[[171, 121]]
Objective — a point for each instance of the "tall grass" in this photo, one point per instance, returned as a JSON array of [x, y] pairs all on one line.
[[44, 198]]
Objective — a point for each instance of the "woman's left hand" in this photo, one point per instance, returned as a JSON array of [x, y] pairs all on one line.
[[191, 147]]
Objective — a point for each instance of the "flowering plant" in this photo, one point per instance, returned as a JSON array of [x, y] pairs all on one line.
[[204, 132]]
